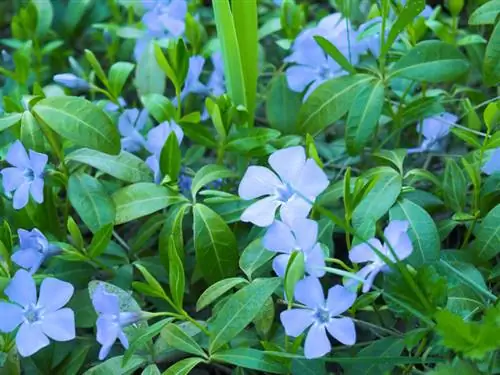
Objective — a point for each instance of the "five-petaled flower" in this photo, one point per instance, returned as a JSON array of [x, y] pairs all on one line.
[[299, 178], [434, 129], [493, 164], [26, 175], [111, 320], [37, 320], [321, 316], [130, 124], [300, 235], [397, 239], [33, 250], [192, 83], [71, 81]]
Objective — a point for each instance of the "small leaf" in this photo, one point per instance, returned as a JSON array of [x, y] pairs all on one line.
[[487, 243], [214, 291], [207, 174], [491, 67], [44, 16], [293, 274], [9, 120], [149, 78], [170, 157], [118, 75], [178, 339], [250, 358], [184, 366], [454, 186], [278, 97], [96, 66], [331, 50], [254, 256], [100, 241], [176, 273]]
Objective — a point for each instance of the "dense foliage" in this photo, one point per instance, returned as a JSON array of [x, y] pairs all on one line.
[[244, 187]]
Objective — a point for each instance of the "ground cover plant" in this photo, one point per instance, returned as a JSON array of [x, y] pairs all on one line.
[[249, 187]]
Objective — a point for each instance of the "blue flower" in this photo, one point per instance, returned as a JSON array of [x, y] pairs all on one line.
[[302, 236], [111, 320], [113, 107], [216, 85], [26, 175], [192, 83], [37, 320], [33, 250], [321, 316], [71, 81], [297, 177], [397, 236], [130, 124], [492, 165], [434, 129], [369, 36]]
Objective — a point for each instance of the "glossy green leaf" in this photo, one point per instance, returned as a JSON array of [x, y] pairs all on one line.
[[244, 140], [214, 291], [176, 273], [331, 50], [96, 66], [207, 174], [178, 339], [79, 121], [170, 157], [486, 13], [113, 366], [100, 241], [380, 349], [118, 75], [278, 97], [254, 256], [31, 133], [9, 120], [487, 243], [250, 358], [294, 273], [454, 186], [491, 67], [159, 107], [149, 78], [44, 16], [183, 367]]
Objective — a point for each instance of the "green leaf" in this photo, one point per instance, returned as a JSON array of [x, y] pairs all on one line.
[[250, 358], [113, 366], [294, 273], [155, 287], [329, 102], [79, 121], [184, 366], [395, 157], [332, 51], [73, 363], [96, 66], [422, 231], [363, 116], [411, 10], [100, 241], [142, 199], [31, 134], [491, 67], [454, 186], [118, 75], [170, 157], [226, 32], [215, 245], [253, 257], [207, 174], [75, 11], [44, 15], [177, 338], [246, 139], [239, 310], [160, 107], [176, 273], [143, 338], [487, 243], [214, 291], [151, 370], [149, 78], [124, 166], [9, 120], [431, 61], [278, 97], [91, 201], [486, 14]]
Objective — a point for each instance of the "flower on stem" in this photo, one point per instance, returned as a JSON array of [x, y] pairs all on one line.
[[320, 315], [302, 236], [113, 107], [298, 178], [71, 81], [397, 239], [26, 175], [493, 164], [192, 83], [111, 320], [37, 320], [434, 129], [130, 124], [33, 250]]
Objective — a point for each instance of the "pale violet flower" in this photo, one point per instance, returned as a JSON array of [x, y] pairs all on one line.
[[71, 81], [26, 175], [113, 107], [320, 315], [38, 320], [111, 320], [33, 250], [192, 83], [299, 178], [153, 163], [434, 129], [396, 235], [130, 124], [493, 164], [301, 235], [369, 35], [216, 84]]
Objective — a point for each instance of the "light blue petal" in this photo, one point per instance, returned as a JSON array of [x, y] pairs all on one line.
[[315, 262], [295, 321], [17, 156], [311, 181], [257, 182], [262, 212], [280, 263], [30, 339], [54, 294], [104, 302], [10, 316], [21, 289], [36, 190], [38, 162], [317, 343], [309, 292], [21, 196], [279, 238], [288, 162], [306, 233], [59, 325], [339, 300], [342, 329], [12, 178]]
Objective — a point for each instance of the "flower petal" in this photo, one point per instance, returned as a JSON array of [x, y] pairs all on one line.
[[27, 258], [104, 302], [306, 233], [21, 196], [12, 178], [279, 238], [299, 77], [295, 321], [59, 325], [107, 330], [38, 162], [493, 164], [294, 208], [22, 289], [104, 351], [370, 278], [364, 253], [342, 329], [403, 247], [54, 293], [17, 156], [280, 263], [311, 181], [288, 162], [339, 299], [262, 212], [315, 262], [10, 316], [394, 230], [310, 292], [30, 339], [127, 121], [36, 190], [258, 181], [317, 343]]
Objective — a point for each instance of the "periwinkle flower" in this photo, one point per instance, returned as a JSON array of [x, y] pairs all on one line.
[[111, 320], [71, 81], [493, 164], [397, 239], [192, 83], [300, 235], [113, 107], [321, 315], [434, 129], [298, 179], [216, 85], [37, 320], [130, 124], [26, 175], [159, 135], [165, 15], [33, 250], [369, 36], [153, 163]]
